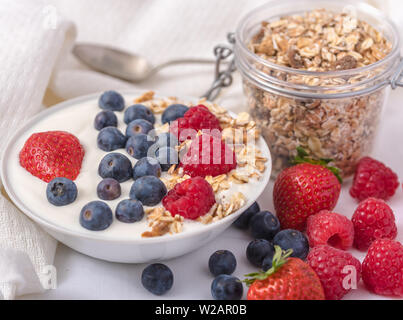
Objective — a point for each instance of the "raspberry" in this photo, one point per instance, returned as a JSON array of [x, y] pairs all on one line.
[[52, 154], [194, 120], [332, 267], [208, 156], [330, 228], [373, 219], [382, 268], [191, 198], [373, 179]]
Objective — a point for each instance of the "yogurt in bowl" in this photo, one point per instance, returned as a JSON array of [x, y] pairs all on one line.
[[141, 241]]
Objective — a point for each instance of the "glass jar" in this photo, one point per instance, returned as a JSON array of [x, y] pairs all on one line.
[[332, 114]]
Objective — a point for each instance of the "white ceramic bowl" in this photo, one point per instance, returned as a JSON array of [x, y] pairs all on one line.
[[119, 249]]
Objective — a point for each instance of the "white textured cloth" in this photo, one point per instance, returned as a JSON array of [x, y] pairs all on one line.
[[32, 43]]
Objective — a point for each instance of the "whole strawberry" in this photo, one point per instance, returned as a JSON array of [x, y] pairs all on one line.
[[305, 189], [373, 179], [382, 268], [333, 267], [288, 279], [52, 154], [373, 219]]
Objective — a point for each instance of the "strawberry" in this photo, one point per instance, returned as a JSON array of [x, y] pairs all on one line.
[[305, 189], [287, 279], [52, 154]]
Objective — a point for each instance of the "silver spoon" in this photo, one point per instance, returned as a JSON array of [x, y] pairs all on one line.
[[124, 65]]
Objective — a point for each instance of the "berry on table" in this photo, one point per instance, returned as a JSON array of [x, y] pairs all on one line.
[[149, 190], [138, 111], [190, 199], [242, 222], [167, 157], [109, 189], [111, 100], [116, 166], [222, 262], [105, 119], [146, 167], [292, 239], [330, 228], [110, 139], [225, 287], [166, 139], [173, 112], [129, 211], [373, 179], [157, 278], [264, 225], [137, 146], [138, 126], [61, 191], [96, 216], [373, 219], [258, 250]]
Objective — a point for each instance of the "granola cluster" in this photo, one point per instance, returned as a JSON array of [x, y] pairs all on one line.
[[318, 41]]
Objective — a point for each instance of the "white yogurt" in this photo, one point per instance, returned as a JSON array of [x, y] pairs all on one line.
[[78, 120]]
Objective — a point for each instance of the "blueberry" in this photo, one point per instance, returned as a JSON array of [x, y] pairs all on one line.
[[257, 250], [222, 262], [138, 126], [109, 189], [157, 278], [267, 262], [111, 100], [166, 139], [129, 211], [264, 225], [226, 287], [167, 157], [96, 216], [149, 190], [293, 239], [146, 167], [138, 111], [110, 139], [174, 112], [116, 166], [243, 220], [105, 119], [137, 146], [61, 192]]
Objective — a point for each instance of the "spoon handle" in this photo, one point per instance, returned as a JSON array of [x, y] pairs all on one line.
[[182, 61]]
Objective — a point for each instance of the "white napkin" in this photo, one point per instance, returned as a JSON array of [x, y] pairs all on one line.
[[34, 38]]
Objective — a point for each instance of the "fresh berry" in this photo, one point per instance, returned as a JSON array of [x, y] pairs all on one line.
[[138, 126], [52, 154], [129, 211], [288, 279], [226, 287], [330, 228], [373, 219], [264, 225], [373, 179], [138, 111], [105, 119], [96, 216], [268, 262], [242, 222], [190, 199], [166, 139], [61, 191], [116, 166], [208, 156], [149, 190], [332, 267], [174, 112], [157, 278], [303, 190], [146, 167], [194, 120], [382, 268], [222, 262], [137, 146], [110, 139], [111, 100], [167, 157], [257, 250], [109, 189], [292, 239]]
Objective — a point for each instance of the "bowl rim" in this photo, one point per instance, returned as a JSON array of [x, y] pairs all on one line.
[[97, 236]]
